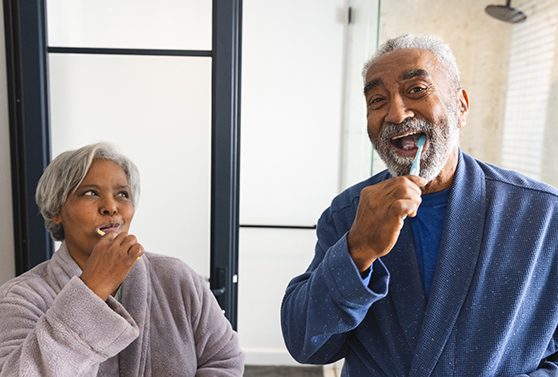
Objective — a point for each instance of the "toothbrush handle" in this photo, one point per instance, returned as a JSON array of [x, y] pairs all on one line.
[[415, 168]]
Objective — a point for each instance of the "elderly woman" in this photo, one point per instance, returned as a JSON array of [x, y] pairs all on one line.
[[101, 306]]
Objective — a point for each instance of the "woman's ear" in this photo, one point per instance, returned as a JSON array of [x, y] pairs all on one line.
[[56, 219], [462, 106]]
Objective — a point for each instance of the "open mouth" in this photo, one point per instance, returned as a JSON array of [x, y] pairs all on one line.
[[406, 144]]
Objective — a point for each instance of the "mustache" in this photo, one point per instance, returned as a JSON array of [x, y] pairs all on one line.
[[390, 129]]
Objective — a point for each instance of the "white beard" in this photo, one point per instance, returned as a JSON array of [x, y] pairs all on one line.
[[442, 139]]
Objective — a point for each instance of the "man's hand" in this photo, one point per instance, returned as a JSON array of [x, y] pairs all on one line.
[[109, 263], [380, 215]]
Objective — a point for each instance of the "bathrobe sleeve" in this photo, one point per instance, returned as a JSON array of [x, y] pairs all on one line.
[[548, 368], [64, 334], [321, 306]]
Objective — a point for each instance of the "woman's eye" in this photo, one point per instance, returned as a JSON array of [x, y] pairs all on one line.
[[124, 194], [89, 193]]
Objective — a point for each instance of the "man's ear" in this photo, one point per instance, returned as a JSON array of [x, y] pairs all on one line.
[[462, 106]]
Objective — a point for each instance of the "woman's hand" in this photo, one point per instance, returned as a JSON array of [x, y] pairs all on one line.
[[110, 262]]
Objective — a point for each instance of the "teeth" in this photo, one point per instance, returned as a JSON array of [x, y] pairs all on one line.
[[405, 135]]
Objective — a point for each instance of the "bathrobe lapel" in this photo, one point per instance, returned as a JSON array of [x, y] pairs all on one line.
[[406, 297], [63, 267], [458, 255], [136, 298]]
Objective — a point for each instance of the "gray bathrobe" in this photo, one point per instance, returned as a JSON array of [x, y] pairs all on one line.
[[169, 324]]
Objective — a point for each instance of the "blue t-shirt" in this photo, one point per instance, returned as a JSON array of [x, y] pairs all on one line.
[[427, 231]]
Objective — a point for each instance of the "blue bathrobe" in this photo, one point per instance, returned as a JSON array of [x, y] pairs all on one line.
[[493, 307]]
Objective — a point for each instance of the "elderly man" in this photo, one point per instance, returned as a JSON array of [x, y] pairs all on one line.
[[450, 273]]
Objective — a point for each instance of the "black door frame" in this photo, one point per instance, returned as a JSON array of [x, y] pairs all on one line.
[[27, 71]]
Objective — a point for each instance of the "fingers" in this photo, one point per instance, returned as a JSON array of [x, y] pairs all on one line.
[[110, 262], [380, 216], [396, 198], [419, 181], [136, 251], [127, 243], [405, 207], [408, 183]]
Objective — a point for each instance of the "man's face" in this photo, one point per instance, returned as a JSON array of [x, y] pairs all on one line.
[[407, 95]]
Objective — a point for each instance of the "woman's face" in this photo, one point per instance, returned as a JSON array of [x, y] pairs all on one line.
[[101, 202]]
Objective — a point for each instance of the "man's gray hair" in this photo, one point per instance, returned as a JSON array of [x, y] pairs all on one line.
[[66, 172], [433, 43]]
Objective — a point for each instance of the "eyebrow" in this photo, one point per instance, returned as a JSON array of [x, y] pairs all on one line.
[[405, 76], [94, 186], [415, 73], [372, 84], [88, 186]]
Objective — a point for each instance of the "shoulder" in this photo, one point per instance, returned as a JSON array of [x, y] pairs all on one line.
[[174, 282], [337, 219], [33, 287], [347, 201], [510, 180], [171, 270], [504, 189], [36, 277]]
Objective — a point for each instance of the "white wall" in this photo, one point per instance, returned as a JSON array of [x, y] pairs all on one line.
[[292, 96], [7, 262]]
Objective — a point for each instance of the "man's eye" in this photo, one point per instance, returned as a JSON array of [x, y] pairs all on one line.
[[417, 89], [375, 101]]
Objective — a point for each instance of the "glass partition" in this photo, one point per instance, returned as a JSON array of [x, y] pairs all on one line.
[[157, 110], [361, 43], [167, 24]]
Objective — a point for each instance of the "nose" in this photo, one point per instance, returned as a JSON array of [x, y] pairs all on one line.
[[108, 207], [398, 110]]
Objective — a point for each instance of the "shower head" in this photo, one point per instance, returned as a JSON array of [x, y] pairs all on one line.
[[506, 13]]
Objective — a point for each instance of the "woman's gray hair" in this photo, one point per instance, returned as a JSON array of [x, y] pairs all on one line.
[[66, 172], [433, 43]]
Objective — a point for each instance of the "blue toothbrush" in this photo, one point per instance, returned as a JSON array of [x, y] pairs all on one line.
[[415, 169]]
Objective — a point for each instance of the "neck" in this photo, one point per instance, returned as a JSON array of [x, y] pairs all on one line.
[[78, 258], [444, 180]]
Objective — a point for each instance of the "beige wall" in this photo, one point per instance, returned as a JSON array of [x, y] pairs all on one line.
[[7, 264], [481, 46], [550, 148]]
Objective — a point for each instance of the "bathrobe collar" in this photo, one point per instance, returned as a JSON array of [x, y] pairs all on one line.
[[136, 298], [427, 323]]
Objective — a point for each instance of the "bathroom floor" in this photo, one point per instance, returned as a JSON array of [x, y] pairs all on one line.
[[332, 370], [282, 371]]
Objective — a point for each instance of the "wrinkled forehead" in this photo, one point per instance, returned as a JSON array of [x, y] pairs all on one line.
[[403, 64]]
